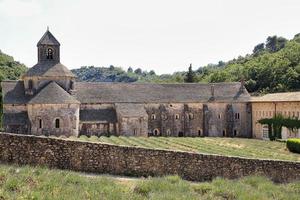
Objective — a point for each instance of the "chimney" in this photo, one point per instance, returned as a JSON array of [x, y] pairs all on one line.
[[242, 88], [212, 89]]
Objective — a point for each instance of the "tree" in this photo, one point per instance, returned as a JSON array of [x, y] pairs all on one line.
[[259, 48], [190, 76], [138, 71], [152, 72], [111, 67], [275, 43], [129, 70]]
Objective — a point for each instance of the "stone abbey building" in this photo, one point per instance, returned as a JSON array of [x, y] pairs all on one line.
[[49, 101]]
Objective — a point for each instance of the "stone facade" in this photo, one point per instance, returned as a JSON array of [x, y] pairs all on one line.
[[48, 101], [268, 109], [121, 160]]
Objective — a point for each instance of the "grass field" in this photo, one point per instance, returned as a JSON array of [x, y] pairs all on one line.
[[42, 183], [250, 148]]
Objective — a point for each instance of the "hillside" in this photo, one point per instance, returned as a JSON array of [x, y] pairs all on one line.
[[273, 66], [9, 70]]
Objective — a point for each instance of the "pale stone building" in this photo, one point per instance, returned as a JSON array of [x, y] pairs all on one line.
[[286, 104], [48, 101]]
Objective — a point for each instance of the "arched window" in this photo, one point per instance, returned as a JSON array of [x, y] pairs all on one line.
[[153, 116], [199, 132], [156, 132], [57, 123], [191, 116], [224, 133], [177, 116], [49, 54], [235, 132], [40, 123], [30, 84]]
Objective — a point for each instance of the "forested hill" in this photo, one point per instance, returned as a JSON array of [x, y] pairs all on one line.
[[273, 66], [9, 68]]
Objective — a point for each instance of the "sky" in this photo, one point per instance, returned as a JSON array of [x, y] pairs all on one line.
[[160, 35]]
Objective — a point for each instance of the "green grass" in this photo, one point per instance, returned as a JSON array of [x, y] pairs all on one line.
[[250, 148], [42, 183]]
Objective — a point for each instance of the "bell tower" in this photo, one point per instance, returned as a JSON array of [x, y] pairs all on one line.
[[48, 68], [48, 48]]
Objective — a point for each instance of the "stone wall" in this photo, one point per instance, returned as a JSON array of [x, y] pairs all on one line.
[[121, 160]]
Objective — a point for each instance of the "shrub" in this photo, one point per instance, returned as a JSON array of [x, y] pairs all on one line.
[[293, 145]]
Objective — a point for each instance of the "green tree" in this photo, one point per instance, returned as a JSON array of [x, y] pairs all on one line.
[[190, 75], [259, 48]]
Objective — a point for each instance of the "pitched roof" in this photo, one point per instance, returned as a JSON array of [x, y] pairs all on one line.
[[53, 94], [13, 92], [107, 115], [131, 110], [15, 118], [277, 97], [48, 39], [49, 68], [146, 92]]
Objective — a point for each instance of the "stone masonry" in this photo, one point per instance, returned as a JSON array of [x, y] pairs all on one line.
[[133, 161]]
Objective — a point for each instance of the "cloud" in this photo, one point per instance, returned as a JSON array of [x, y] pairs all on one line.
[[19, 8]]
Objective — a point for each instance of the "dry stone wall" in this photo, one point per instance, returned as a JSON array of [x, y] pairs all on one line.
[[121, 160]]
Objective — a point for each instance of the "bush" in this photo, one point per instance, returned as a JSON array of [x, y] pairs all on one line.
[[293, 145]]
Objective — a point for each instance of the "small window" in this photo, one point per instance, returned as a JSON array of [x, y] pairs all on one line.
[[168, 132], [153, 116], [134, 132], [191, 116], [224, 133], [156, 132], [30, 84], [177, 116], [40, 123], [199, 132], [237, 115], [49, 54], [220, 116], [235, 132], [57, 123]]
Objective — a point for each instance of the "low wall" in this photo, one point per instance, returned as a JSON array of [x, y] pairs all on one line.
[[121, 160]]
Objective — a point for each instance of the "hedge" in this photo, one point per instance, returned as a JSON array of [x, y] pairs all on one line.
[[293, 145]]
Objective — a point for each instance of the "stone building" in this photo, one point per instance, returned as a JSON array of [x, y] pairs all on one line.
[[287, 104], [48, 101]]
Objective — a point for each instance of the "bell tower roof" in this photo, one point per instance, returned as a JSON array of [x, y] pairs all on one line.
[[48, 39]]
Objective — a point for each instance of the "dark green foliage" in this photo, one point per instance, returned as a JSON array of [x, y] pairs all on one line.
[[259, 48], [102, 74], [190, 76], [276, 123], [9, 70], [293, 145]]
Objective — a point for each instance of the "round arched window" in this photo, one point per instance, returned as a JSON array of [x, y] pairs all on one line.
[[49, 54]]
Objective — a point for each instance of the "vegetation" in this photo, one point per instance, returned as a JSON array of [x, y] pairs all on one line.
[[293, 144], [276, 123], [274, 66], [9, 70], [41, 183], [250, 148]]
